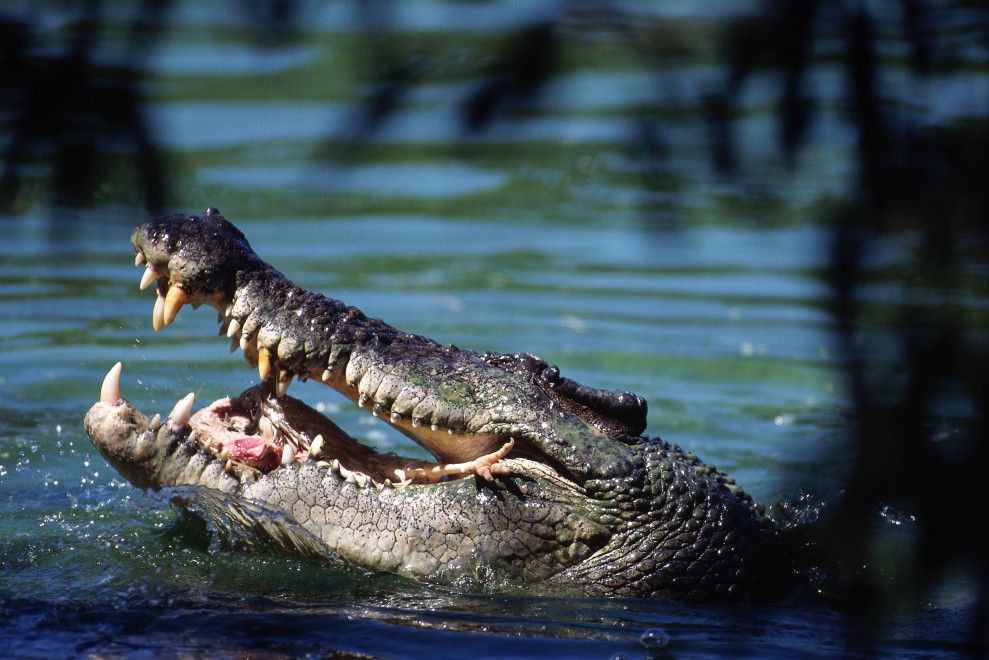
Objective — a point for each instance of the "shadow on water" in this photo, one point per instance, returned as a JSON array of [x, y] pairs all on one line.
[[908, 79]]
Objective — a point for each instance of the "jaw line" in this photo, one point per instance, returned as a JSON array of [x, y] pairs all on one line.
[[230, 428]]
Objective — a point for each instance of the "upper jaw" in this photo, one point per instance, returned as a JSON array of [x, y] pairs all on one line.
[[193, 259]]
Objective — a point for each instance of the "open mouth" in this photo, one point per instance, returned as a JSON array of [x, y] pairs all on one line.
[[469, 410], [257, 432]]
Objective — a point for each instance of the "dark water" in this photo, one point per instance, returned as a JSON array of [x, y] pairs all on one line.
[[551, 233]]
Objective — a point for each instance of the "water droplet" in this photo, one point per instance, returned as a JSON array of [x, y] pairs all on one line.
[[784, 420], [654, 638]]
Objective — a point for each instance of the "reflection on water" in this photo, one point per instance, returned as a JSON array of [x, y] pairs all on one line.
[[539, 234]]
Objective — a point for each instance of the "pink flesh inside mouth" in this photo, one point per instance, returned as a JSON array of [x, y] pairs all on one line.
[[260, 432]]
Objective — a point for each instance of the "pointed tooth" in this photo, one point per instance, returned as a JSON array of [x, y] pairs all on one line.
[[233, 328], [229, 467], [281, 386], [361, 478], [155, 422], [180, 414], [110, 391], [229, 310], [245, 342], [224, 453], [158, 315], [264, 363], [335, 464], [147, 277], [193, 435], [348, 475], [288, 455], [234, 344], [316, 447], [326, 374], [174, 300], [139, 259]]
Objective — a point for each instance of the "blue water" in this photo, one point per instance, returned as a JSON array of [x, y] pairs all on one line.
[[551, 233]]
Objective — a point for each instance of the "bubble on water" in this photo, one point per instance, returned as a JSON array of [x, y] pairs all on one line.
[[654, 638], [784, 420]]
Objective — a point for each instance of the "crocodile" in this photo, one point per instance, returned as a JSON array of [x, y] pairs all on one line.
[[538, 482]]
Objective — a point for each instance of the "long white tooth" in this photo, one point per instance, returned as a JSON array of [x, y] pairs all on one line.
[[110, 391], [264, 363], [316, 447], [182, 411], [174, 300], [288, 455], [233, 328], [281, 387], [229, 310], [158, 315], [326, 374], [155, 422], [148, 277]]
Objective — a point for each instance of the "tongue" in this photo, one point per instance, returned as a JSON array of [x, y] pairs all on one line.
[[256, 452]]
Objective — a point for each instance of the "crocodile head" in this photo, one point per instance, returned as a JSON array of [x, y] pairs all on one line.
[[536, 478]]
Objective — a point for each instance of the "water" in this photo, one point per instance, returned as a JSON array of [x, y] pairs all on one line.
[[549, 233]]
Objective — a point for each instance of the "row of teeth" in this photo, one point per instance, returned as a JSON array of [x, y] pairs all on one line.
[[182, 412], [167, 307]]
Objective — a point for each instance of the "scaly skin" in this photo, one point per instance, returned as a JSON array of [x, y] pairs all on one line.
[[566, 493]]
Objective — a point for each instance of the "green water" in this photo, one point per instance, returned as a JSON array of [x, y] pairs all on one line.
[[550, 233]]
